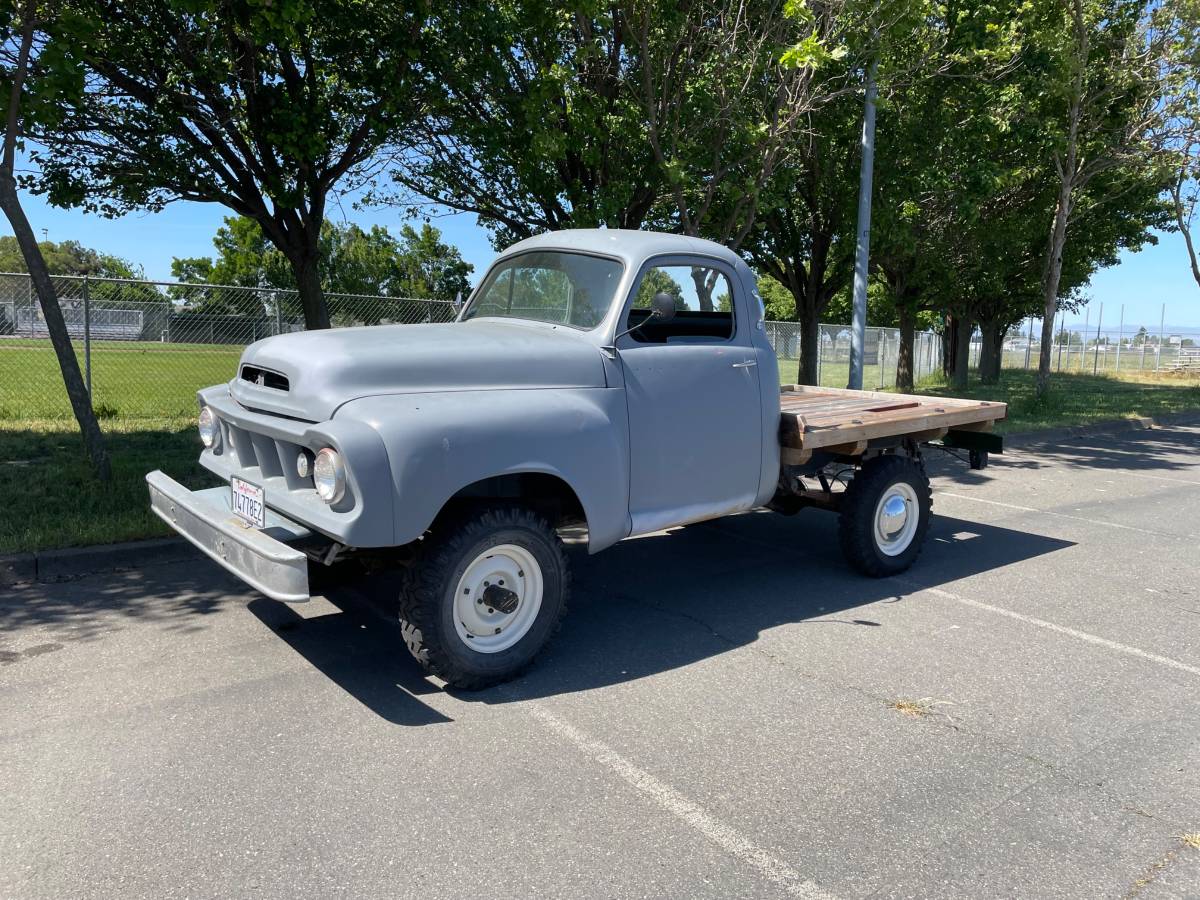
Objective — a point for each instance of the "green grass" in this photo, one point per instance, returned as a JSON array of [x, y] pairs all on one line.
[[836, 374], [52, 500], [1078, 399], [129, 380]]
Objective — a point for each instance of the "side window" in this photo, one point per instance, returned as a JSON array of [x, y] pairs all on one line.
[[703, 304]]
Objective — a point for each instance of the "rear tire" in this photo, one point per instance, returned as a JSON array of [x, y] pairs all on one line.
[[885, 516], [485, 595]]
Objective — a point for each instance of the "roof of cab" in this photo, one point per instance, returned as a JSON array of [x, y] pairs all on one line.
[[626, 244]]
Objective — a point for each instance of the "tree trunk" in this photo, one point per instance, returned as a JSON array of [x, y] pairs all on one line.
[[60, 339], [704, 280], [990, 352], [308, 283], [1050, 281], [1183, 221], [810, 349], [949, 345], [962, 353], [904, 359]]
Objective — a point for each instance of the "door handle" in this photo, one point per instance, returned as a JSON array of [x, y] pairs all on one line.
[[746, 365]]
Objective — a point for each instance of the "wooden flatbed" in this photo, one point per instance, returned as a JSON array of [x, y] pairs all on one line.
[[844, 422]]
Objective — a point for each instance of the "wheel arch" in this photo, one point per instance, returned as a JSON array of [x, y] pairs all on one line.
[[543, 490]]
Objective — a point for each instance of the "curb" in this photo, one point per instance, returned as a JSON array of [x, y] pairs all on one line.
[[76, 562]]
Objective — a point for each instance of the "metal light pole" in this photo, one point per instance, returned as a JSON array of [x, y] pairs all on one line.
[[1120, 337], [1161, 326], [1096, 354], [1087, 317], [858, 328]]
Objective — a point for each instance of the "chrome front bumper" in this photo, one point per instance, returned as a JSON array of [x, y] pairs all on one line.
[[259, 557]]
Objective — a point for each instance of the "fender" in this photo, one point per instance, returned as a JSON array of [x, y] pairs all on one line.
[[440, 442]]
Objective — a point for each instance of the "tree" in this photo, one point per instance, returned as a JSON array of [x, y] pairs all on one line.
[[628, 113], [804, 238], [265, 109], [1103, 98], [537, 128], [354, 266], [1181, 126], [68, 258], [721, 103], [37, 69]]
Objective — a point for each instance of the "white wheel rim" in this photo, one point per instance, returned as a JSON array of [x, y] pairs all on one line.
[[897, 515], [497, 599]]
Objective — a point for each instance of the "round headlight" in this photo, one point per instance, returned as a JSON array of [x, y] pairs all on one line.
[[210, 430], [329, 476], [303, 464]]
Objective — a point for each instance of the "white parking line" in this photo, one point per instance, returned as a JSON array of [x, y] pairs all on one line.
[[1058, 515], [1061, 629], [691, 814]]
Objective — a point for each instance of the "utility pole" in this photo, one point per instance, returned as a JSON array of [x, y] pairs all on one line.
[[858, 328]]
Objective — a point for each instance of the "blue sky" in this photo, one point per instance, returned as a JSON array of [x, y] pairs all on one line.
[[1142, 281]]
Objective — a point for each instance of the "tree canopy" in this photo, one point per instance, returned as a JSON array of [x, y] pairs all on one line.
[[266, 109], [351, 261], [68, 258]]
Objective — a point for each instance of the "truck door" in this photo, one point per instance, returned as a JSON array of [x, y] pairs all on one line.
[[695, 416]]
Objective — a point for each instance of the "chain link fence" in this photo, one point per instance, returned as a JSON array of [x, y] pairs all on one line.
[[146, 347], [881, 351], [1086, 347]]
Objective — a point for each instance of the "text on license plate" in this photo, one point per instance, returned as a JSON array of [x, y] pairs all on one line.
[[249, 501]]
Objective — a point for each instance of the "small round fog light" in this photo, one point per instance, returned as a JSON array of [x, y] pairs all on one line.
[[303, 464], [210, 429]]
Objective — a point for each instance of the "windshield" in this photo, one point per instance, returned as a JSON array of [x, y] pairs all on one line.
[[549, 286]]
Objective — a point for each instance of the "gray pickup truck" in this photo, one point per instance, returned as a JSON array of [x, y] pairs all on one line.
[[614, 382]]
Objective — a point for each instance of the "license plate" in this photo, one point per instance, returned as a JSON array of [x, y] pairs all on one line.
[[249, 501]]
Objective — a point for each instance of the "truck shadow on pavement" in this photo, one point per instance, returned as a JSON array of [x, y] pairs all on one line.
[[651, 605], [1160, 450]]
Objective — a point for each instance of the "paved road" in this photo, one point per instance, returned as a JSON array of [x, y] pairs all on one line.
[[718, 719]]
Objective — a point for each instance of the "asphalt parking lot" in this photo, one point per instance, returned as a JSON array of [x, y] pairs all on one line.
[[728, 712]]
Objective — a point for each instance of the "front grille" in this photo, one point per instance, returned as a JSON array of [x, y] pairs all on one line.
[[264, 378], [271, 457]]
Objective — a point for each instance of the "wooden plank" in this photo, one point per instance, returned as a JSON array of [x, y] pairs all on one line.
[[790, 456], [821, 410], [802, 389], [855, 449]]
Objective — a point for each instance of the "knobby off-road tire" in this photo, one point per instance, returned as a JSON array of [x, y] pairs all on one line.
[[455, 604], [885, 516]]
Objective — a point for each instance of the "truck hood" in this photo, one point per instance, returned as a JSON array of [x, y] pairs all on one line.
[[324, 369]]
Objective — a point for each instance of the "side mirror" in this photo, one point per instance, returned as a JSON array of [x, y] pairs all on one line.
[[662, 309], [458, 303], [662, 306]]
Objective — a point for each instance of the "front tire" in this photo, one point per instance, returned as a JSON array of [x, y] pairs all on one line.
[[485, 595], [885, 516]]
